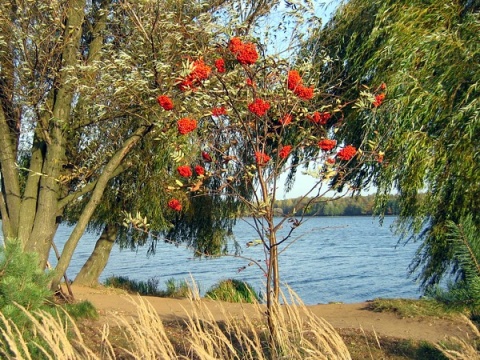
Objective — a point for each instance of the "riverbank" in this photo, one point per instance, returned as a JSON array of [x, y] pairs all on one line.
[[342, 317]]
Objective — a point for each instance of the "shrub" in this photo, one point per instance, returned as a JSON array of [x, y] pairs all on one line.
[[24, 294], [21, 282], [150, 287], [232, 290], [81, 310], [56, 337], [464, 293]]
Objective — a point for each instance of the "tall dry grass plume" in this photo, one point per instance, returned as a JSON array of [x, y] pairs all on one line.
[[460, 349], [301, 335], [55, 337]]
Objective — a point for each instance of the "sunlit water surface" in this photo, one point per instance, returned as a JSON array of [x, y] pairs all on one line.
[[347, 259]]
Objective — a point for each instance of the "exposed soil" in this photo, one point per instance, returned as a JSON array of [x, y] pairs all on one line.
[[344, 317]]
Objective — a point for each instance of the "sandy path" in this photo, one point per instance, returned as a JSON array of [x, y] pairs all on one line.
[[341, 316]]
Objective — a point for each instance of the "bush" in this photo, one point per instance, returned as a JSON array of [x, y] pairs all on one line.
[[25, 293], [147, 288], [177, 289], [81, 310], [232, 290]]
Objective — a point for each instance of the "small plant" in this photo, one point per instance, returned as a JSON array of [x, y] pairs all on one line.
[[24, 295], [232, 290], [177, 289], [464, 293], [119, 282], [81, 310], [56, 337]]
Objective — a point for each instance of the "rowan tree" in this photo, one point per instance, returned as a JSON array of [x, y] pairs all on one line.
[[134, 195], [258, 122]]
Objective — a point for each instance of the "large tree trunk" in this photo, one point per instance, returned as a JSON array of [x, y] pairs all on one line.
[[94, 266], [45, 224]]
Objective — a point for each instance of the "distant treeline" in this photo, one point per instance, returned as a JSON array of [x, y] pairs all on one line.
[[346, 206]]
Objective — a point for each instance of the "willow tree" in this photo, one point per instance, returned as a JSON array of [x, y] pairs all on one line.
[[78, 93], [78, 88], [427, 53]]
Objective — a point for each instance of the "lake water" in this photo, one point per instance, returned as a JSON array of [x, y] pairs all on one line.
[[347, 259]]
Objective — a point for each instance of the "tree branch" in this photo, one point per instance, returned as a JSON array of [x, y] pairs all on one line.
[[92, 204], [89, 187]]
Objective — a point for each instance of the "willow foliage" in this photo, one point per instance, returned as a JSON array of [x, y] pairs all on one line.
[[466, 246], [428, 54]]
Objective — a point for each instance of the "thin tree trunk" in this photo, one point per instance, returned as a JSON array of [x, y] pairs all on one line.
[[273, 292], [9, 184], [6, 226], [94, 266], [28, 207]]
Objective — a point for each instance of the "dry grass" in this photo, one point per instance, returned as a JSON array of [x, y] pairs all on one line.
[[55, 338], [301, 335], [459, 349], [146, 335]]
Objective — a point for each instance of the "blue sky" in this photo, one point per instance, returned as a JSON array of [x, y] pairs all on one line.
[[323, 10], [283, 30]]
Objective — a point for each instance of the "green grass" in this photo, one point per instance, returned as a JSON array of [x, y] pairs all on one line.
[[368, 345], [412, 308], [149, 287], [81, 310], [177, 289]]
